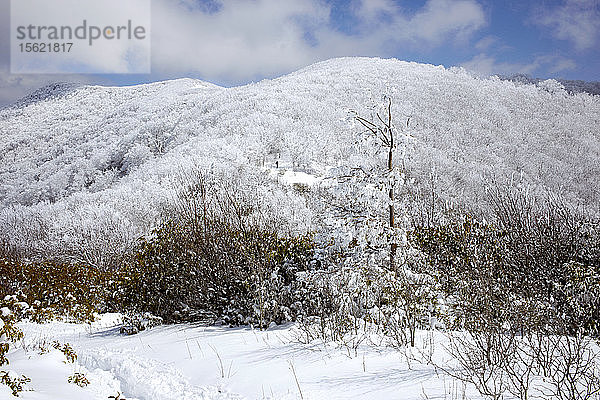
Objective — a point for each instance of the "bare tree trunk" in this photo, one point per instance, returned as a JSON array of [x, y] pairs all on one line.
[[393, 244], [384, 132]]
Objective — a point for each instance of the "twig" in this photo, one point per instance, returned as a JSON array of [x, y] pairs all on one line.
[[296, 378]]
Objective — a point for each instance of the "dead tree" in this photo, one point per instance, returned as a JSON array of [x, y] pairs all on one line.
[[383, 130]]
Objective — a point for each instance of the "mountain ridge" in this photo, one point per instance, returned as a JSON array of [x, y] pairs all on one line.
[[108, 148]]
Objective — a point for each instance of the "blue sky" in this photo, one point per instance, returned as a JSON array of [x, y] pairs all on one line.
[[232, 42]]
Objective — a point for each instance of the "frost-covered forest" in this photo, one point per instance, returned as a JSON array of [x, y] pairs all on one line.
[[573, 86], [370, 204], [77, 160]]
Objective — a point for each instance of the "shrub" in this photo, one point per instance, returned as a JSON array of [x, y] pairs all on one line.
[[181, 274], [52, 291], [536, 365], [15, 382], [525, 287], [466, 259], [9, 334], [553, 250], [78, 379], [532, 270], [219, 256], [67, 350], [348, 305], [136, 322]]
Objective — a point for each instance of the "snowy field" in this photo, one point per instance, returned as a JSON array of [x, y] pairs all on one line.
[[198, 362]]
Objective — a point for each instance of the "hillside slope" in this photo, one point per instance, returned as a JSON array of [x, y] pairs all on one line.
[[68, 158]]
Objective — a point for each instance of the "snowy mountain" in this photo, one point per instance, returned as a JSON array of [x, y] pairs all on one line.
[[71, 156], [275, 205]]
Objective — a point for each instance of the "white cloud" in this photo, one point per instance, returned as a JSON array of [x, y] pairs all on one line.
[[575, 20], [242, 40], [486, 42], [372, 10], [562, 65], [248, 39], [541, 65], [440, 18]]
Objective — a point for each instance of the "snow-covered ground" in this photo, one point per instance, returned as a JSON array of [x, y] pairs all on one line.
[[198, 362]]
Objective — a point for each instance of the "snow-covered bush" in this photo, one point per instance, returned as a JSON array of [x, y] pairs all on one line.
[[521, 287], [348, 305], [500, 363], [136, 322], [47, 291], [97, 235], [535, 267], [221, 253], [466, 261], [9, 334], [552, 250], [78, 379], [14, 381], [237, 276]]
